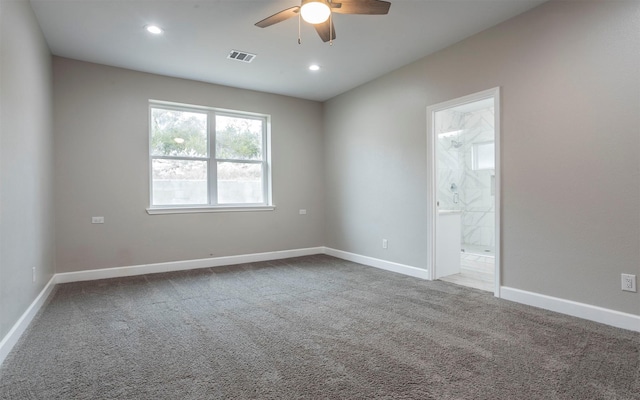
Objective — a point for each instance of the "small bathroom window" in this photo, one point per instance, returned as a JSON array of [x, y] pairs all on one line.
[[484, 156]]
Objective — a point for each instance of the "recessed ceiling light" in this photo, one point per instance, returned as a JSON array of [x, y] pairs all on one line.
[[156, 30], [314, 67]]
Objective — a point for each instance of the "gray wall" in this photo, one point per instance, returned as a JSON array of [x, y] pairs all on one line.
[[570, 83], [102, 169], [26, 162]]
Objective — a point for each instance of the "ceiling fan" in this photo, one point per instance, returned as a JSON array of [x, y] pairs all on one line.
[[318, 13]]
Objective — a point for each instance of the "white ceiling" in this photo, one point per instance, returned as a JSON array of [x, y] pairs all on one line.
[[200, 34]]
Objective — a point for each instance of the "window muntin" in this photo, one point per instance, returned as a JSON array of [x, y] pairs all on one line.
[[201, 157]]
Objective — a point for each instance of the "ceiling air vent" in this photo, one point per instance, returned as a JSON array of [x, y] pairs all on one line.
[[241, 56]]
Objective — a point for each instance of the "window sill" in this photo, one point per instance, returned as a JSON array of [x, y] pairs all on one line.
[[206, 209]]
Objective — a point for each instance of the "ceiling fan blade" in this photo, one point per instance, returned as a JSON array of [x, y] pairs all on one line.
[[326, 30], [279, 17], [369, 7]]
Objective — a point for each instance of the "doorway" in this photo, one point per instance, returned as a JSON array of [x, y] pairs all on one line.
[[463, 146]]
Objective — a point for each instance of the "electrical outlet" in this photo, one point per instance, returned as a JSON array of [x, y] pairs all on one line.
[[385, 244], [303, 211], [97, 220], [33, 274], [629, 283]]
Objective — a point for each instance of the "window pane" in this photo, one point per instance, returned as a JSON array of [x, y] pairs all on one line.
[[179, 182], [238, 138], [239, 183], [484, 155], [178, 133]]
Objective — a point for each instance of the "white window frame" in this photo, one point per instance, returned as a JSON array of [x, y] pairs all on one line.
[[212, 162]]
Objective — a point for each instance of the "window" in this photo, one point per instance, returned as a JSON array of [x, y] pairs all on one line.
[[203, 158], [483, 156]]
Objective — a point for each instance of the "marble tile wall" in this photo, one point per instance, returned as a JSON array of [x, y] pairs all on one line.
[[450, 159], [458, 133]]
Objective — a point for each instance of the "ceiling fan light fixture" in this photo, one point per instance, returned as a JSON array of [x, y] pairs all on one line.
[[319, 14], [315, 11]]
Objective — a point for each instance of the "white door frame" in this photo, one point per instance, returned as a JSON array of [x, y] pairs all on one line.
[[432, 183]]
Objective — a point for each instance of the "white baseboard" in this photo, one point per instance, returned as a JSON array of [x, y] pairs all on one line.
[[580, 310], [378, 263], [117, 272], [12, 337]]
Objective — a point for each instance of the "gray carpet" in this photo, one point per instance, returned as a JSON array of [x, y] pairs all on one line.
[[310, 328]]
